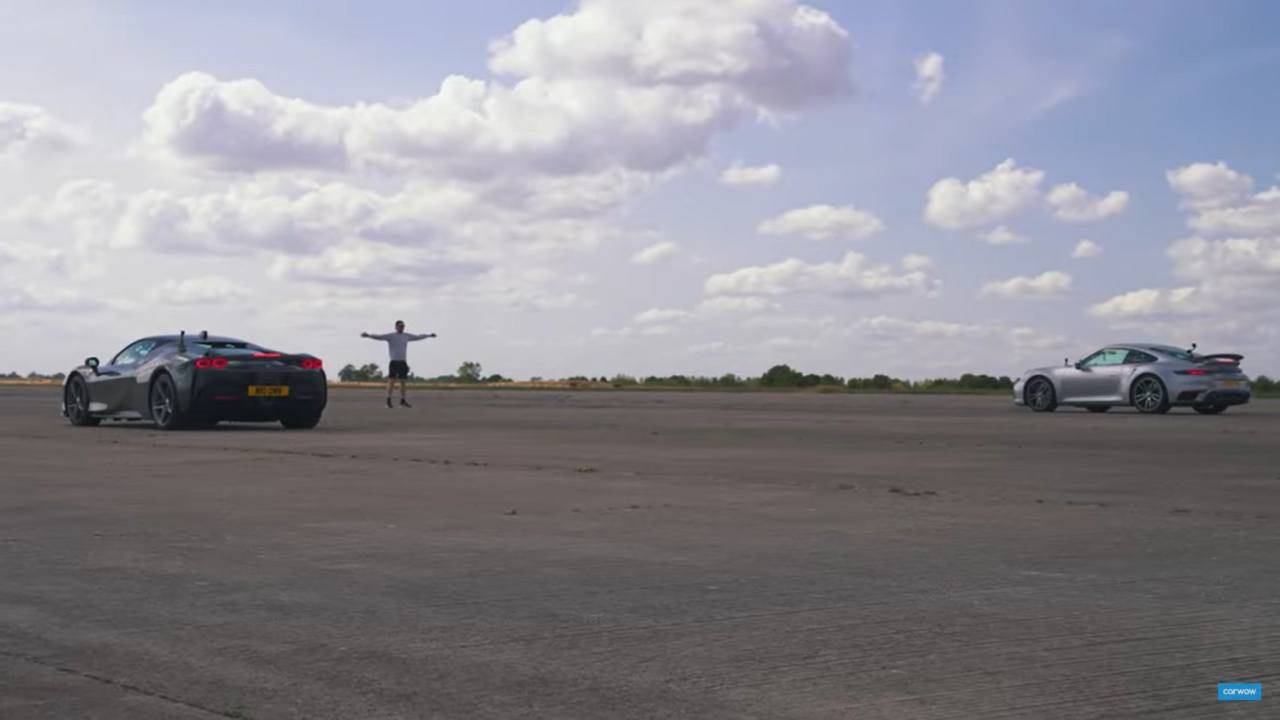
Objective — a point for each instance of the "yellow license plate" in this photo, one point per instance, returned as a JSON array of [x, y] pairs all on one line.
[[268, 391], [1230, 383]]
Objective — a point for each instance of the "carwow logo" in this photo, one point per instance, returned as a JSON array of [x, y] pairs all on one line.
[[1228, 692]]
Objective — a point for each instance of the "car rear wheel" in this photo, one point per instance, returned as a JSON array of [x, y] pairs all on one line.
[[1098, 408], [75, 399], [1149, 395], [301, 420], [163, 401], [1040, 396], [1210, 409]]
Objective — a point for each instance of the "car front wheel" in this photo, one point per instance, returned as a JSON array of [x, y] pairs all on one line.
[[1040, 396], [75, 399]]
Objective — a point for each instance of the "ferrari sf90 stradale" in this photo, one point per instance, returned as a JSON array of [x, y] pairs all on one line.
[[1151, 378], [178, 381]]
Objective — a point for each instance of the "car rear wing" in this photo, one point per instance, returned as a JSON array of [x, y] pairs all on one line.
[[1230, 358]]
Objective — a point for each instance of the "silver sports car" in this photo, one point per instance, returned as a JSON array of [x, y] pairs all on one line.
[[1151, 378]]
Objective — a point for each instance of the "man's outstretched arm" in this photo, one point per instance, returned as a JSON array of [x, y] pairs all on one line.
[[372, 336], [421, 337]]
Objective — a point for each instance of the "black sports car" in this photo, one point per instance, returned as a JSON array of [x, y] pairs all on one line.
[[178, 381]]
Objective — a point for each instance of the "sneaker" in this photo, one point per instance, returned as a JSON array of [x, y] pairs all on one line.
[[389, 403], [405, 403]]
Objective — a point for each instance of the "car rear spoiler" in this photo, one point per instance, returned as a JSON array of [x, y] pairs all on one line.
[[1220, 358]]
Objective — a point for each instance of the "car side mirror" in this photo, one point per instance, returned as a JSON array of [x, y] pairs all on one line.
[[1079, 366], [92, 363]]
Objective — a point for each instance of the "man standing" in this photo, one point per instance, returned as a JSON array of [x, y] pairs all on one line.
[[398, 347]]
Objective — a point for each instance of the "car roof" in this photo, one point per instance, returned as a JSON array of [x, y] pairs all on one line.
[[1158, 347], [193, 337]]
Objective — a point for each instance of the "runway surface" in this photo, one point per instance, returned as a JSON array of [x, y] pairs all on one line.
[[641, 555]]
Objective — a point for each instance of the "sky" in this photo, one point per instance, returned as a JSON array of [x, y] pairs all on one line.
[[915, 188]]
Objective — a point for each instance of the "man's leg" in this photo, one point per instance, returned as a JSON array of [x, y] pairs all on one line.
[[402, 386], [391, 383]]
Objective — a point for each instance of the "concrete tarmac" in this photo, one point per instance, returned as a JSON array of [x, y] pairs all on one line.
[[641, 555]]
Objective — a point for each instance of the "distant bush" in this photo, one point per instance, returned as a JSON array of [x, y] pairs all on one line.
[[1264, 385], [364, 373]]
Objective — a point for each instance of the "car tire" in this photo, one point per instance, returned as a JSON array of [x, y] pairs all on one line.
[[162, 401], [75, 401], [301, 420], [1097, 408], [1040, 395], [1210, 409], [1149, 395]]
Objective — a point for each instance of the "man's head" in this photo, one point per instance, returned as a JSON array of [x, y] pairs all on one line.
[[399, 326]]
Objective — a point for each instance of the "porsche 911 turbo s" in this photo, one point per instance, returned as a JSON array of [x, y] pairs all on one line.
[[1150, 378], [177, 381]]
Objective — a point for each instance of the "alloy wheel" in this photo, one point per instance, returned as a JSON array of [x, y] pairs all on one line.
[[1040, 396], [77, 402], [1148, 396], [162, 402]]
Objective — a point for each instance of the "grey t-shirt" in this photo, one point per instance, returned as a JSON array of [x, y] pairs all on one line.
[[398, 343]]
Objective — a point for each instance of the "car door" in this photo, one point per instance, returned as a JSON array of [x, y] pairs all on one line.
[[109, 390], [1096, 378]]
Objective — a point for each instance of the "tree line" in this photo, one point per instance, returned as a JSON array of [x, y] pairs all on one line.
[[778, 376]]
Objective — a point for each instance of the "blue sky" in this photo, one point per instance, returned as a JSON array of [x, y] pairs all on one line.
[[141, 197]]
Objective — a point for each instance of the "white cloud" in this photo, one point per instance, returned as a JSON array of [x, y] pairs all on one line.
[[1232, 259], [32, 298], [954, 346], [609, 84], [894, 329], [199, 290], [655, 253], [1002, 236], [1148, 302], [1237, 275], [714, 346], [661, 315], [778, 53], [992, 196], [28, 129], [359, 263], [824, 222], [1048, 284], [852, 276], [1086, 250], [1072, 203], [1209, 185], [1256, 215], [728, 304], [929, 76], [916, 261], [762, 175]]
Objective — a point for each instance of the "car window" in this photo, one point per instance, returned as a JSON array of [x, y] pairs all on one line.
[[1106, 357], [134, 353], [1137, 357]]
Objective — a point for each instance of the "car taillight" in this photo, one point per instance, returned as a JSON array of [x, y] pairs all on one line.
[[211, 363], [268, 355], [312, 363], [1194, 371]]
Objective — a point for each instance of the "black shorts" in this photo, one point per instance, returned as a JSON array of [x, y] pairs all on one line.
[[399, 370]]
